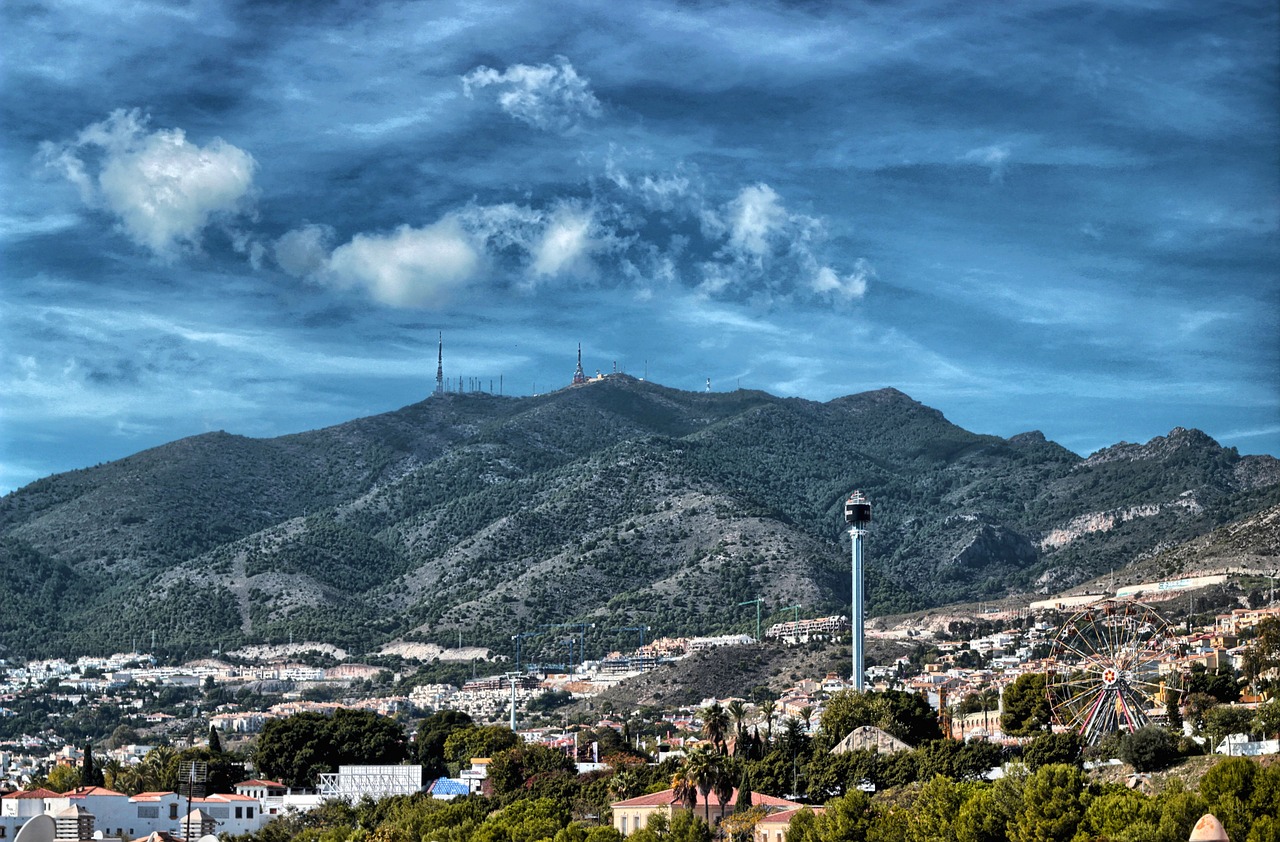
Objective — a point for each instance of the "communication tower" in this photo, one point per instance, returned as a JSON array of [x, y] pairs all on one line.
[[579, 377], [440, 366], [857, 513]]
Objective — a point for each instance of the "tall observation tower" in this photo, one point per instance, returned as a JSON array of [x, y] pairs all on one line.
[[857, 513], [440, 366]]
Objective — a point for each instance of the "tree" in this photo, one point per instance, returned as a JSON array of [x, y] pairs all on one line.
[[91, 773], [846, 819], [1149, 749], [477, 741], [724, 776], [1197, 707], [510, 769], [296, 749], [63, 778], [215, 740], [715, 724], [956, 760], [1179, 811], [684, 788], [767, 709], [932, 816], [123, 735], [906, 716], [1230, 788], [1122, 815], [1050, 747], [737, 711], [1262, 656], [428, 742], [1026, 706], [1225, 720], [701, 767], [1267, 719], [1051, 805], [1221, 683]]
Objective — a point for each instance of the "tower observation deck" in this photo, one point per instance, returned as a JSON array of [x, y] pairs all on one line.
[[857, 513]]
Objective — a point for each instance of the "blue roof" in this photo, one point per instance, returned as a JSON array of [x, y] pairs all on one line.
[[448, 786]]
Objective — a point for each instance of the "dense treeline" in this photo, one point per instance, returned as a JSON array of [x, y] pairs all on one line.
[[934, 792]]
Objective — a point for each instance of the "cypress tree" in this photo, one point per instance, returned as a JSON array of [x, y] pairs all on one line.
[[90, 774], [215, 741]]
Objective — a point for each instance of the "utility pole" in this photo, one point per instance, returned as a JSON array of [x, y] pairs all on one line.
[[756, 602], [511, 677]]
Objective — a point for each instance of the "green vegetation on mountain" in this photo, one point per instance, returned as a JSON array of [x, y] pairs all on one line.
[[620, 503]]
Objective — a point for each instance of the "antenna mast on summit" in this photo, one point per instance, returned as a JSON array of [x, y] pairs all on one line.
[[440, 366]]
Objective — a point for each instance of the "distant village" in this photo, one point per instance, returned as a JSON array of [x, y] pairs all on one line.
[[959, 668]]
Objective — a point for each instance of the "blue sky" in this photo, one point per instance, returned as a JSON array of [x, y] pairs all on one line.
[[256, 216]]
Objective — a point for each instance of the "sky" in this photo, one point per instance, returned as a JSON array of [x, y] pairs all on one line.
[[259, 216]]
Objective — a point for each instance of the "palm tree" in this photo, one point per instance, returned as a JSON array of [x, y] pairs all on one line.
[[722, 779], [806, 714], [768, 709], [159, 769], [684, 788], [700, 766], [738, 713], [715, 724]]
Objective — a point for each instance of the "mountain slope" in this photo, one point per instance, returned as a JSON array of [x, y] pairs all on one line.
[[621, 503]]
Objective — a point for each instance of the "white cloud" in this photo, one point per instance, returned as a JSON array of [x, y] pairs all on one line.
[[754, 217], [828, 282], [304, 251], [565, 244], [411, 267], [994, 157], [163, 189], [552, 97]]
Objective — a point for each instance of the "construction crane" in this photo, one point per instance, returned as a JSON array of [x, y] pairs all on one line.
[[641, 629], [582, 637], [756, 602], [517, 638]]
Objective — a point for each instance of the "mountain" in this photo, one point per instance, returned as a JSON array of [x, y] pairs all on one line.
[[620, 503]]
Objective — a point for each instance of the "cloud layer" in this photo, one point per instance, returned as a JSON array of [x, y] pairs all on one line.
[[1058, 216], [162, 189], [552, 97]]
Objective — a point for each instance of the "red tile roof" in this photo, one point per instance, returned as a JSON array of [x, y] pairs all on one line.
[[257, 782], [667, 796], [82, 791], [786, 816], [34, 793]]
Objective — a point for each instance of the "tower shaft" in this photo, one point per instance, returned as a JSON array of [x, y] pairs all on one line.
[[857, 513], [440, 366]]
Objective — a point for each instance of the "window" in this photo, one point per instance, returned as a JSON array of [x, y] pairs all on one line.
[[250, 812], [239, 812], [2, 831], [149, 812], [173, 811], [624, 825]]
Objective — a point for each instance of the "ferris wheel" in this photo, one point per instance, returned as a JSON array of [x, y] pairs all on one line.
[[1106, 668]]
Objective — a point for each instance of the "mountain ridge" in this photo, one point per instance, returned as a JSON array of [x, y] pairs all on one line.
[[619, 502]]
